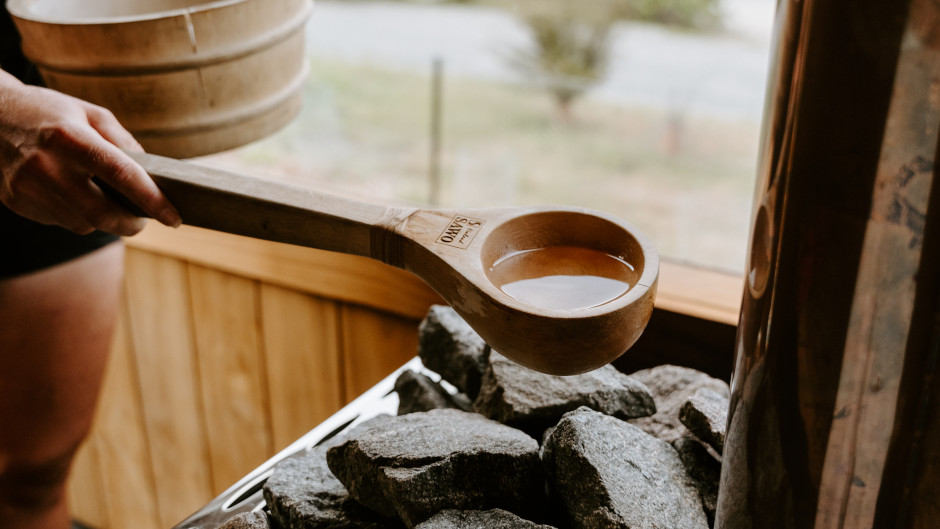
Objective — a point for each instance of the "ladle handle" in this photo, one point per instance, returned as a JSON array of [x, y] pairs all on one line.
[[275, 211]]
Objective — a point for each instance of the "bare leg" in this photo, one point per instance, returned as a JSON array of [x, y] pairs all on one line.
[[55, 333]]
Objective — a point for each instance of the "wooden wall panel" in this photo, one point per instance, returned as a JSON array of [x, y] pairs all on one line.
[[86, 502], [302, 341], [231, 371], [345, 278], [374, 345], [127, 478], [214, 370], [161, 329]]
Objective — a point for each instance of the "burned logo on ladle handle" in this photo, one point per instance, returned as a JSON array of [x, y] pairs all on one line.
[[460, 232]]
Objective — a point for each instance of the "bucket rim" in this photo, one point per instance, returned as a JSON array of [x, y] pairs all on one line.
[[22, 9]]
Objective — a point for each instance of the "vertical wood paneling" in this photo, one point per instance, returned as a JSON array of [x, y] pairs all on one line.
[[211, 373], [374, 345], [161, 327], [301, 338], [127, 478], [86, 502], [232, 373]]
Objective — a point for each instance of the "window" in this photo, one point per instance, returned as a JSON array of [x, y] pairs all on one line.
[[451, 104]]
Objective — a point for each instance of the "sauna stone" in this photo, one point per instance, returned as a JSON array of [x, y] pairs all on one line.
[[533, 401], [704, 469], [247, 520], [448, 346], [415, 465], [302, 493], [491, 519], [609, 473], [418, 392], [705, 414], [671, 387]]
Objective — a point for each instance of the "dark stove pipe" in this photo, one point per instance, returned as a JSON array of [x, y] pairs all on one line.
[[835, 411]]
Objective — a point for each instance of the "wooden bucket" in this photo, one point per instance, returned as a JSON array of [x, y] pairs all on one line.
[[187, 78]]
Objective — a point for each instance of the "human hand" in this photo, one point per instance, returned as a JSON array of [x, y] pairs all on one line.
[[51, 147]]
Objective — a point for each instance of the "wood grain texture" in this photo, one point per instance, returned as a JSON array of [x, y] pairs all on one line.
[[127, 477], [213, 371], [304, 361], [710, 295], [86, 502], [329, 275], [232, 373], [161, 327], [374, 345]]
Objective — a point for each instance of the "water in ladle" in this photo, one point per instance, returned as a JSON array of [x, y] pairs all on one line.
[[563, 277]]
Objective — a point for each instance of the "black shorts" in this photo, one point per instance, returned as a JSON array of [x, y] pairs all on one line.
[[27, 246]]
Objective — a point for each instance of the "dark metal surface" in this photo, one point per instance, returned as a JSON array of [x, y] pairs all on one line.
[[834, 419]]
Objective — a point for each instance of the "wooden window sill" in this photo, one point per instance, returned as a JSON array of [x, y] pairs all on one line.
[[700, 293]]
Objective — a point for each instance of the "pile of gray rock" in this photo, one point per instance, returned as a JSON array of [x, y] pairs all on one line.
[[491, 444]]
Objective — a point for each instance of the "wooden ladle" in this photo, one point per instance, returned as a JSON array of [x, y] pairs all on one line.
[[457, 252]]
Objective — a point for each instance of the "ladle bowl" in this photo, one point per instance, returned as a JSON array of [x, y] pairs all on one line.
[[470, 257]]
